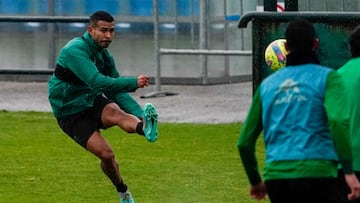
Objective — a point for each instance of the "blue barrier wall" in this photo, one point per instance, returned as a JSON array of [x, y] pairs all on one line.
[[19, 7], [86, 7], [111, 6], [139, 8]]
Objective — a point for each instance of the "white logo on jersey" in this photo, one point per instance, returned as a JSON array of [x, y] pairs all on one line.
[[288, 92]]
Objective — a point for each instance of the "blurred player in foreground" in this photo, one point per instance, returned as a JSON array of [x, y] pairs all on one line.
[[300, 109], [351, 77], [87, 94]]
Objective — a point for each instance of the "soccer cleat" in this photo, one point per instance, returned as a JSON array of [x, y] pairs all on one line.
[[126, 197], [150, 122]]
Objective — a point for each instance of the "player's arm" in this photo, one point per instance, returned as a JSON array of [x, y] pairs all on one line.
[[247, 140], [78, 61], [337, 110]]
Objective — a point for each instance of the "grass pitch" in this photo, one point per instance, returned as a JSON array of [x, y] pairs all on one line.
[[189, 163]]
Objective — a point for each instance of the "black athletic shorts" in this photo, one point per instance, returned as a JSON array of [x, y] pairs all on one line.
[[303, 190], [81, 126]]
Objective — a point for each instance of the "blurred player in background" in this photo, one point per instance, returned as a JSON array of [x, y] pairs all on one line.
[[301, 110], [351, 77], [87, 94]]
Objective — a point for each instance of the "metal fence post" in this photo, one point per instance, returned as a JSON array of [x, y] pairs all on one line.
[[51, 36], [156, 45], [203, 39], [157, 92]]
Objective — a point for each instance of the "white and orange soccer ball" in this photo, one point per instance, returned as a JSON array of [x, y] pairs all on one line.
[[275, 54]]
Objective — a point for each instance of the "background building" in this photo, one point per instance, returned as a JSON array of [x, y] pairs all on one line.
[[183, 24]]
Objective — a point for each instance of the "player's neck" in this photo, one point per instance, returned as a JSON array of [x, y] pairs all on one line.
[[295, 58]]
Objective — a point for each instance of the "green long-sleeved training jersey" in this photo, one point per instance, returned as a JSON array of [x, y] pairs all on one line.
[[351, 77], [85, 59], [337, 115]]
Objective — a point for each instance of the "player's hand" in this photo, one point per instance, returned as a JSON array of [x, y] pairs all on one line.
[[258, 191], [354, 186], [143, 81]]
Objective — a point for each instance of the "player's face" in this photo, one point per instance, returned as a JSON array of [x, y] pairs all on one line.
[[102, 33]]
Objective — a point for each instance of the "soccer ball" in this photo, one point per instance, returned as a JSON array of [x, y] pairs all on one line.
[[275, 54]]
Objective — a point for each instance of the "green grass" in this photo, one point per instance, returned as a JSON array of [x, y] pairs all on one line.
[[189, 163]]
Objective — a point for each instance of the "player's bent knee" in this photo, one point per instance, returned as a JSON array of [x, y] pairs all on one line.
[[107, 155], [111, 109]]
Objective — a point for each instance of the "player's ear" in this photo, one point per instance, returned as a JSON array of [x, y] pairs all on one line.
[[90, 28], [316, 44]]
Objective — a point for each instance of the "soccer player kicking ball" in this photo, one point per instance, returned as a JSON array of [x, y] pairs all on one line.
[[87, 94]]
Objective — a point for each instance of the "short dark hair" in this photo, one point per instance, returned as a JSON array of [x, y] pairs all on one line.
[[300, 35], [354, 42], [100, 15]]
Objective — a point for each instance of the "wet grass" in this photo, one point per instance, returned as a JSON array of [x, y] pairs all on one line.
[[189, 163]]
